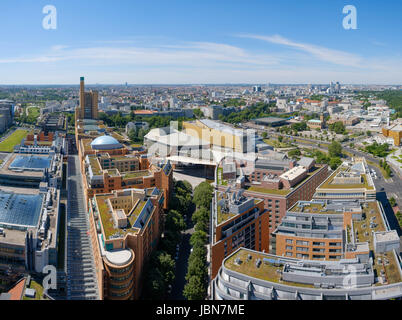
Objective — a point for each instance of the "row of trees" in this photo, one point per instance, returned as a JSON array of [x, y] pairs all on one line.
[[384, 164], [161, 266], [323, 158], [377, 149], [119, 121], [197, 272], [337, 127], [259, 110]]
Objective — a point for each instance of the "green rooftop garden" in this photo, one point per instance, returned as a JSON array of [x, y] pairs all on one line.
[[107, 219], [136, 174], [14, 139], [282, 192], [329, 185], [39, 291], [96, 168], [267, 272]]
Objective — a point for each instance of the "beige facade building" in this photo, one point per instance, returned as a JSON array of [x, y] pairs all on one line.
[[88, 108]]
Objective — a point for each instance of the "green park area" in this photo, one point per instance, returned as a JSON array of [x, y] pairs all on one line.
[[14, 139]]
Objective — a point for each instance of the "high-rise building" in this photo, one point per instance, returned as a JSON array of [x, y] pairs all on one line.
[[88, 108]]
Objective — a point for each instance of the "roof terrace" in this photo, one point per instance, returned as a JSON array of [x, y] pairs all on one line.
[[105, 209], [331, 184], [136, 174], [234, 205]]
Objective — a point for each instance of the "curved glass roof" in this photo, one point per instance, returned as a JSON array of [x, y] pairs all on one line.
[[105, 143]]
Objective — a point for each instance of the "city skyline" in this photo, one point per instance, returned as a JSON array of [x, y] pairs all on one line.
[[194, 43]]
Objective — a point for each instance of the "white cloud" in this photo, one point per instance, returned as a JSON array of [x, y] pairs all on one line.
[[324, 54], [198, 62]]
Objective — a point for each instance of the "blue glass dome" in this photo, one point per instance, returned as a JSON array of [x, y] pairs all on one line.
[[106, 143]]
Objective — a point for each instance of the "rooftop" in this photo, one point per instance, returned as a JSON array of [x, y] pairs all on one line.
[[284, 192], [222, 127], [22, 210], [293, 173], [329, 183], [325, 207], [267, 271], [230, 205], [105, 207], [136, 174], [105, 143]]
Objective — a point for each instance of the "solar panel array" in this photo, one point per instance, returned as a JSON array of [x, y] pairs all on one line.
[[20, 209], [31, 162]]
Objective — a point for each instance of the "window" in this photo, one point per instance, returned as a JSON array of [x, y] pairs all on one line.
[[289, 248], [302, 243], [302, 249], [334, 244], [289, 241], [289, 254], [320, 244], [317, 256]]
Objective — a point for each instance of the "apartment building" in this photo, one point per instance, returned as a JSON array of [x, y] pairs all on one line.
[[125, 228], [239, 221]]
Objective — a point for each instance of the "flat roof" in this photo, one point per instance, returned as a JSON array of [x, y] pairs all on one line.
[[119, 257], [386, 236], [136, 212], [30, 162], [270, 119], [328, 183], [283, 192], [222, 127], [293, 173], [20, 209]]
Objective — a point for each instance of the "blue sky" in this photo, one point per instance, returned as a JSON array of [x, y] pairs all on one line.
[[194, 41]]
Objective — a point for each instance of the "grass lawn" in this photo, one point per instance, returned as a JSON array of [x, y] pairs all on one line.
[[136, 145], [15, 138], [268, 191], [34, 112], [39, 291]]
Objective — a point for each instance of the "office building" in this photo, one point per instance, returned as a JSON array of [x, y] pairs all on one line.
[[394, 132], [352, 180], [88, 107], [253, 275]]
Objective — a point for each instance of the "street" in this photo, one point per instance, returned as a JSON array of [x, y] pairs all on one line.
[[182, 261]]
